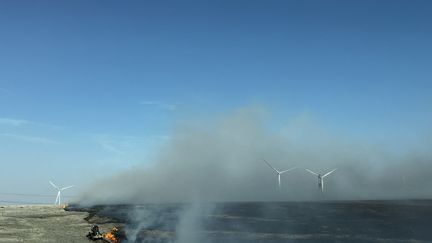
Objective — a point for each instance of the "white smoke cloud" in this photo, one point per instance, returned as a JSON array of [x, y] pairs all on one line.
[[221, 160]]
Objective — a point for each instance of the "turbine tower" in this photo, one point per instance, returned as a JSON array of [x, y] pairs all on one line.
[[279, 173], [321, 178], [58, 198]]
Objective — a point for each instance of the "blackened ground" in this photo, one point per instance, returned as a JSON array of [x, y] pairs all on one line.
[[341, 221]]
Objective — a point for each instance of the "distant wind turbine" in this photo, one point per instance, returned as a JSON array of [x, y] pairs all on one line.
[[58, 198], [279, 173], [321, 178]]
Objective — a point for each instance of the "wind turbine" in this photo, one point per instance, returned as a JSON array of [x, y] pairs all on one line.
[[321, 178], [279, 173], [58, 198]]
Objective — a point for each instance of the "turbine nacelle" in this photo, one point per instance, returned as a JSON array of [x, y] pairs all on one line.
[[279, 173], [59, 190], [321, 177]]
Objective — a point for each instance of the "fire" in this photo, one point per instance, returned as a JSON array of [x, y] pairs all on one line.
[[111, 236]]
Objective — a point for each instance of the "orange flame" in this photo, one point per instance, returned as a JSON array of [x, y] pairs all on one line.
[[111, 236]]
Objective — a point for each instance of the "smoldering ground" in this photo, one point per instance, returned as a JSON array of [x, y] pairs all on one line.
[[222, 161], [167, 223]]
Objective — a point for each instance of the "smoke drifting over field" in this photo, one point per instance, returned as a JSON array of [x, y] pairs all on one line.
[[221, 160]]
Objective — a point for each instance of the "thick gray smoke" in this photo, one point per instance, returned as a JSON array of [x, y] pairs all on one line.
[[222, 160]]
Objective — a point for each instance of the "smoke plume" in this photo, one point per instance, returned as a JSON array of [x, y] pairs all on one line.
[[222, 160]]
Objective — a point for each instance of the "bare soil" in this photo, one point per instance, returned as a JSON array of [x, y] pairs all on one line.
[[43, 223]]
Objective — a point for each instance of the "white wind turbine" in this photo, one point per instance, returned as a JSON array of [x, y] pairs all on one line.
[[279, 173], [58, 198], [321, 178]]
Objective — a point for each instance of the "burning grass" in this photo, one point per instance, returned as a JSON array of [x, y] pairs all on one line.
[[112, 236]]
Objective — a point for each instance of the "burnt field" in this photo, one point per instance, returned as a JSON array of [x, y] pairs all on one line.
[[341, 221]]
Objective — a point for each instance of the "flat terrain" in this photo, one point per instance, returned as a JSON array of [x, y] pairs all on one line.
[[29, 223], [275, 222], [263, 222]]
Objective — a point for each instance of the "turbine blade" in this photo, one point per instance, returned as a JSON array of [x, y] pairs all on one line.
[[288, 170], [57, 198], [64, 188], [311, 172], [271, 166], [328, 173], [52, 184]]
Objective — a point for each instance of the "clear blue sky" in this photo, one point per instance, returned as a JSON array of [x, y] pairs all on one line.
[[100, 84]]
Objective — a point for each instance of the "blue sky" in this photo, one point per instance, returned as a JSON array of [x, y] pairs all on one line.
[[102, 84]]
